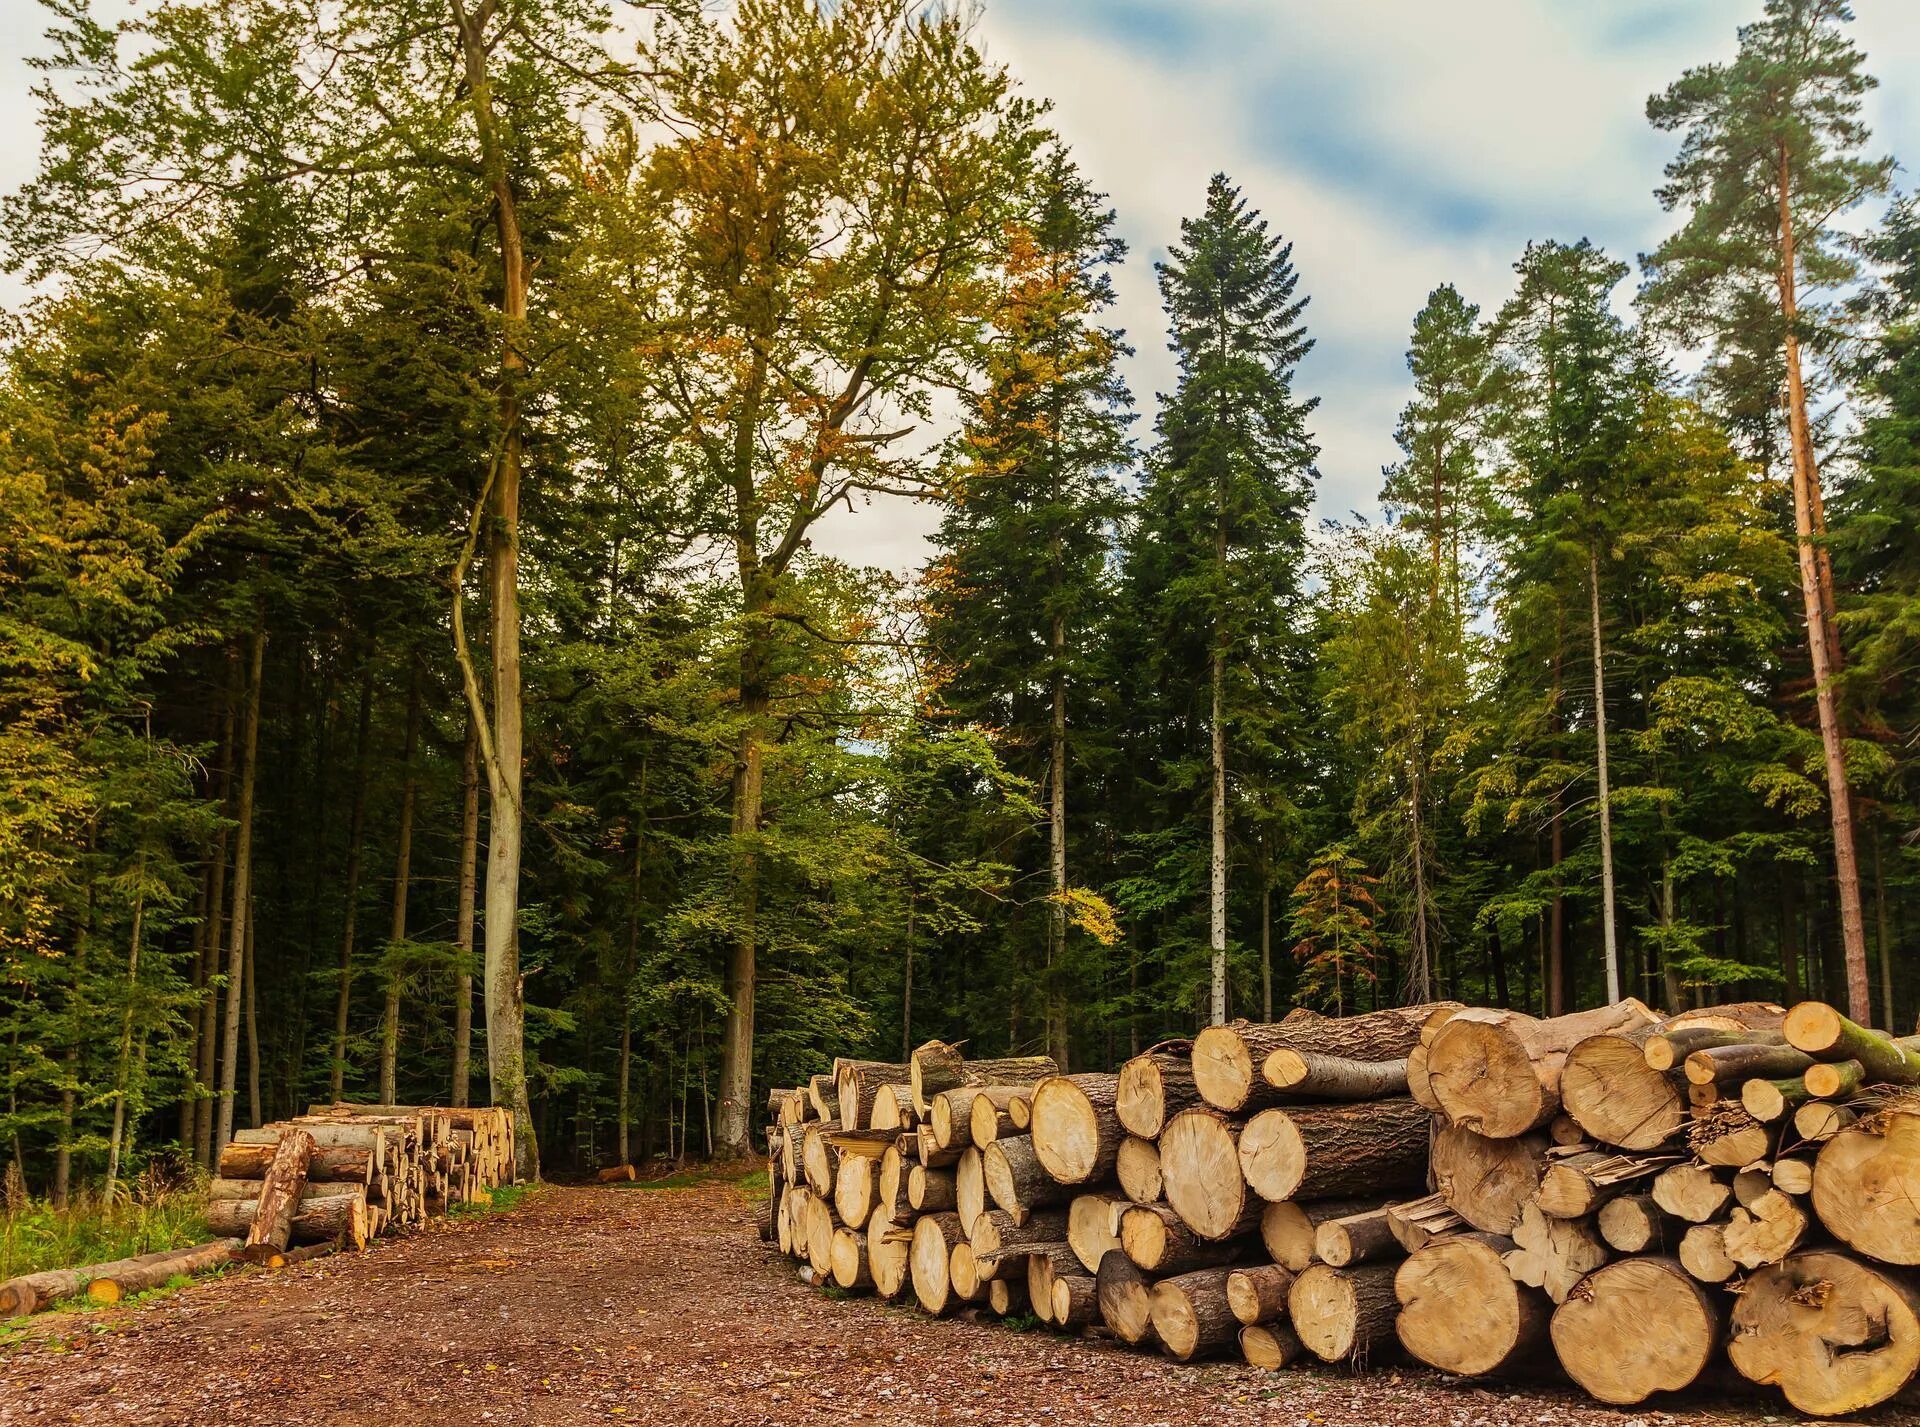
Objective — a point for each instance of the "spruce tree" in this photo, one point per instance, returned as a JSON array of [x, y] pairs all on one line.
[[1017, 594], [1772, 155], [1221, 539]]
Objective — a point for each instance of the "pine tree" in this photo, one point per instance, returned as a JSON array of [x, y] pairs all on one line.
[[1019, 591], [1770, 158], [1220, 545]]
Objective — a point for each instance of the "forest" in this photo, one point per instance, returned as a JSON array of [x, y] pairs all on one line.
[[419, 681]]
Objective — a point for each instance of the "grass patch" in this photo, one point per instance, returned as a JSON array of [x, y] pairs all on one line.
[[34, 1235], [757, 1185], [1020, 1322], [507, 1196]]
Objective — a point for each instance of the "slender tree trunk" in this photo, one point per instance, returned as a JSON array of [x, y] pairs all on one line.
[[402, 879], [253, 1026], [188, 1100], [356, 833], [622, 1110], [1420, 958], [203, 1116], [1266, 938], [501, 737], [1822, 638], [1556, 971], [906, 990], [1608, 948], [1883, 943], [1217, 869], [63, 1154], [1057, 844], [242, 893], [463, 916]]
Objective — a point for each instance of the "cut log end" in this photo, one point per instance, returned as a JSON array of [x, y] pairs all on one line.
[[1635, 1328]]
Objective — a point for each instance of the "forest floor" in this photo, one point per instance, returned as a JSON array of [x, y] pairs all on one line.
[[660, 1305]]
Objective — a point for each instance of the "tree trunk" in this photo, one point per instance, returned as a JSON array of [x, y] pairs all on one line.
[[1608, 948], [356, 832], [253, 1026], [402, 879], [501, 736], [204, 1113], [123, 1069], [242, 893], [1057, 848], [1217, 866], [1822, 638], [463, 918]]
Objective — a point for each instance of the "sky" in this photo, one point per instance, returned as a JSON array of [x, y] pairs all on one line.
[[1399, 144]]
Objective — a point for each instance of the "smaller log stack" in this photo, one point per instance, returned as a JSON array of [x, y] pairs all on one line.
[[370, 1170], [1629, 1196]]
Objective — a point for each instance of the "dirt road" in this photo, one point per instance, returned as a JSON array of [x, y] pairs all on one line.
[[661, 1306]]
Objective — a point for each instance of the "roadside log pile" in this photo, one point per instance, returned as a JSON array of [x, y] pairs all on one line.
[[366, 1170], [1633, 1198]]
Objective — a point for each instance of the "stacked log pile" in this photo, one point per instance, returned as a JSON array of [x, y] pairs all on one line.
[[1632, 1197], [368, 1170]]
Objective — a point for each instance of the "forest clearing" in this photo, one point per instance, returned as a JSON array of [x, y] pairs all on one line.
[[661, 1306], [1128, 638]]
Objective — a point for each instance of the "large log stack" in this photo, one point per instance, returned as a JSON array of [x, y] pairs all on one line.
[[1631, 1197]]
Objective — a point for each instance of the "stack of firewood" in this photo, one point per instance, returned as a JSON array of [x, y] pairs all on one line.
[[1622, 1192], [371, 1169]]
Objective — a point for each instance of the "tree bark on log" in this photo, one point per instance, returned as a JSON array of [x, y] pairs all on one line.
[[1159, 1243], [1318, 1152], [1258, 1293], [330, 1164], [1228, 1060], [849, 1265], [856, 1085], [1345, 1314], [1834, 1334], [930, 1191], [1288, 1229], [1154, 1086], [1721, 1064], [1356, 1239], [1462, 1312], [1017, 1181], [1270, 1346], [1125, 1298], [1498, 1072], [1334, 1077], [997, 1239], [1076, 1301], [1191, 1315], [280, 1191], [1635, 1328], [1578, 1185], [1825, 1034]]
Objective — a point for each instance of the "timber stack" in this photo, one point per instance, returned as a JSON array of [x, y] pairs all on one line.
[[1628, 1197], [364, 1171]]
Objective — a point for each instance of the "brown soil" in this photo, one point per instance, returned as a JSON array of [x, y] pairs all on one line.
[[627, 1304]]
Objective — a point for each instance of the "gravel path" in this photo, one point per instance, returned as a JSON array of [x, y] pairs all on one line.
[[661, 1306]]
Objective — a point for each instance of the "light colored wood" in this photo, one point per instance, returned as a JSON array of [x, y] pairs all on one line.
[[1191, 1316], [1486, 1181], [1154, 1086], [1257, 1293], [970, 1186], [1356, 1239], [1228, 1060], [855, 1191], [1415, 1223], [1553, 1254], [1288, 1229], [1835, 1334], [1691, 1192], [1462, 1312], [1637, 1327], [930, 1191], [1076, 1301], [1577, 1185], [931, 1257], [1324, 1151], [1633, 1224], [1270, 1346], [1498, 1072], [1125, 1297], [1157, 1240], [848, 1260], [1344, 1314], [1016, 1180], [1200, 1169], [1866, 1183], [997, 1241], [889, 1256], [1137, 1168], [1093, 1227], [1703, 1253], [1765, 1231], [1076, 1133]]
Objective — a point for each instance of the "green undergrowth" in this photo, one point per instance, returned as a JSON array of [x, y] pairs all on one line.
[[507, 1196], [34, 1235]]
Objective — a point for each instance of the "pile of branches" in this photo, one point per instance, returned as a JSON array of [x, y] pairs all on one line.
[[1625, 1196]]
